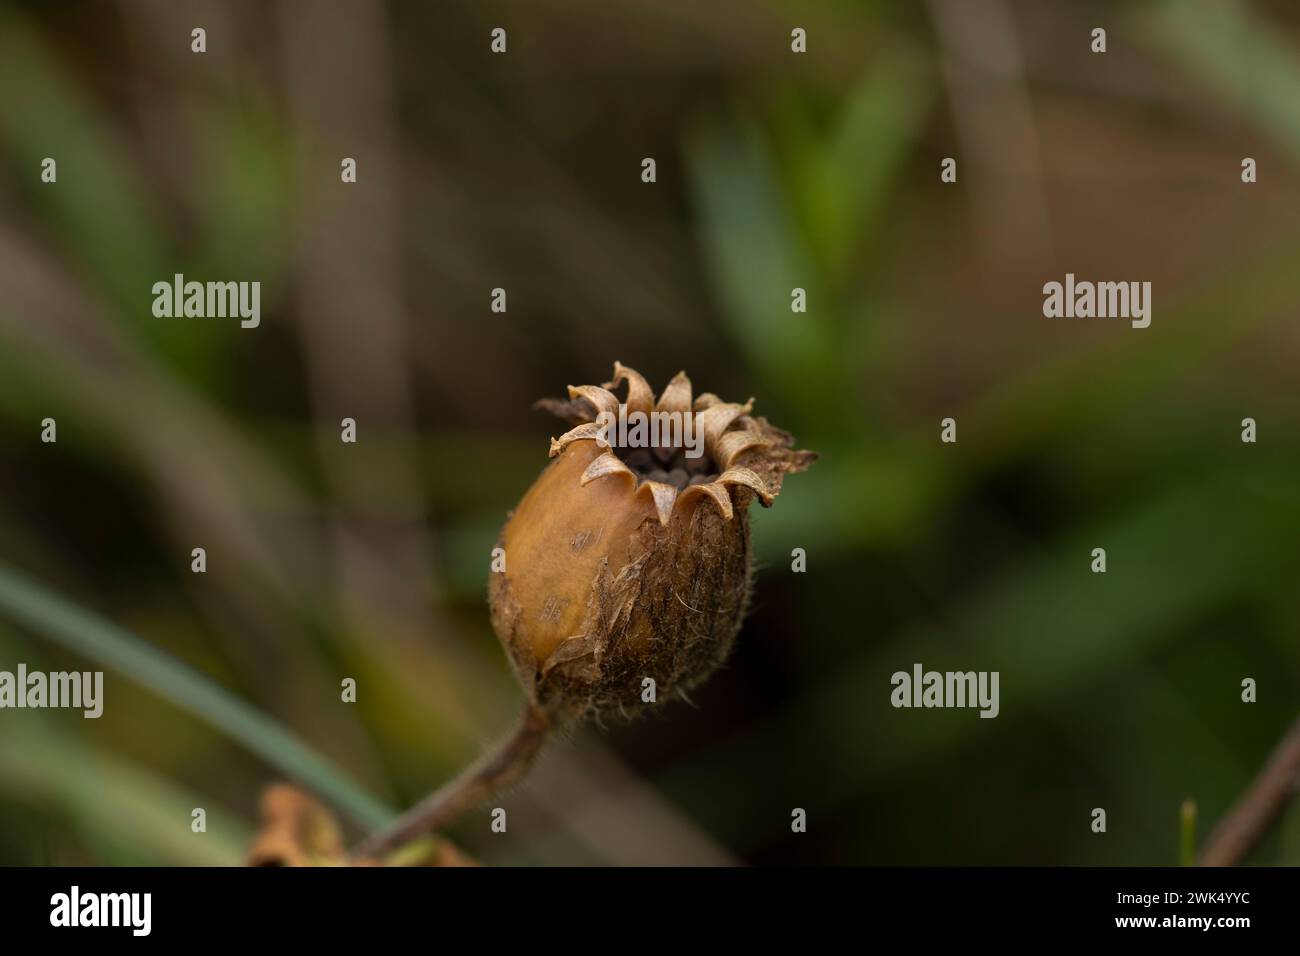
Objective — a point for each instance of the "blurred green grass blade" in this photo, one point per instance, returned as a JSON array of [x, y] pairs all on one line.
[[783, 205], [130, 655], [756, 257], [134, 815], [856, 170], [110, 218], [98, 208], [1237, 55]]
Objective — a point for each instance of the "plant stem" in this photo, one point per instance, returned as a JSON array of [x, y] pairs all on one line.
[[1257, 809], [501, 767]]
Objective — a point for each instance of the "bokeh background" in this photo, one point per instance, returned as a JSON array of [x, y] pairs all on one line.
[[775, 170]]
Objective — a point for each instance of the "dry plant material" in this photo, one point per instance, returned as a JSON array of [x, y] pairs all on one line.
[[298, 830], [624, 564]]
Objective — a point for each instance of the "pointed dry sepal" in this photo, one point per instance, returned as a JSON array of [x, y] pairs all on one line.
[[602, 399], [733, 444], [715, 492], [606, 464], [589, 431], [640, 396], [676, 397], [664, 497], [715, 420], [747, 479]]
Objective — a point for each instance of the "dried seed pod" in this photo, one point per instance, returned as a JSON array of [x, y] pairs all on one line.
[[623, 565]]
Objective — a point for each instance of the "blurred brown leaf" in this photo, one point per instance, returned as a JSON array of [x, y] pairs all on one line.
[[298, 830]]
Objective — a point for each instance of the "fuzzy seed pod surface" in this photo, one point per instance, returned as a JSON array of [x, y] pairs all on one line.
[[627, 563]]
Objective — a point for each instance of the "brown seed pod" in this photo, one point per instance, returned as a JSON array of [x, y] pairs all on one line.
[[627, 563]]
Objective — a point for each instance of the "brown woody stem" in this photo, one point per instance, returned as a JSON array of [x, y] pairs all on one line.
[[1259, 807], [503, 766]]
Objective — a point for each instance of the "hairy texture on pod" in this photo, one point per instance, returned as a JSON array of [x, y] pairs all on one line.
[[627, 564]]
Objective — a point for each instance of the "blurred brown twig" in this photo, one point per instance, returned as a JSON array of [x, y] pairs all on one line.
[[499, 768], [1259, 807]]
